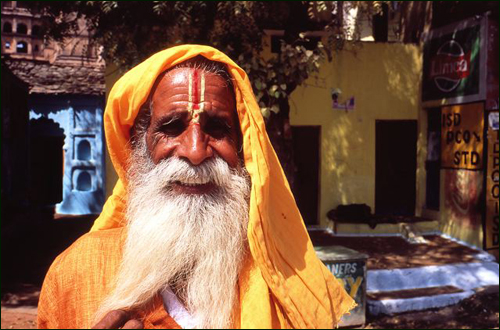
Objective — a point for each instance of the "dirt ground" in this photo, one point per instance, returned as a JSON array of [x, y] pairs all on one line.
[[18, 318], [477, 312]]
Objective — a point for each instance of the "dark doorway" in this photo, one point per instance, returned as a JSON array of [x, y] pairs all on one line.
[[306, 156], [395, 167], [46, 161]]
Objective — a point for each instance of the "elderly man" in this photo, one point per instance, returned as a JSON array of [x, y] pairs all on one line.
[[202, 230]]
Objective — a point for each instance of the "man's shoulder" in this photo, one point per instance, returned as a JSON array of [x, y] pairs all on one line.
[[109, 238], [90, 249], [79, 279]]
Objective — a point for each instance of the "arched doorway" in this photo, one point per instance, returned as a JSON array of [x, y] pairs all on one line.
[[46, 162]]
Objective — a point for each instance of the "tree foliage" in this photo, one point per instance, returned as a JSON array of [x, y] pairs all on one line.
[[131, 31]]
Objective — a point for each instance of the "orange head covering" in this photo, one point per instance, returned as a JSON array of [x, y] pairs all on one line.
[[283, 283]]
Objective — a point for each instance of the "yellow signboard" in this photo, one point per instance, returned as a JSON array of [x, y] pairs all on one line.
[[462, 136], [492, 192]]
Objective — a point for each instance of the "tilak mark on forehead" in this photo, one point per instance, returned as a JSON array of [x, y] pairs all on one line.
[[196, 102]]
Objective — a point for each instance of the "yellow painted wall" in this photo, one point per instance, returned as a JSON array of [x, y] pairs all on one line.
[[385, 80]]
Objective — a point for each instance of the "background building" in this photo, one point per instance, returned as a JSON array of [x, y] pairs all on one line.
[[408, 129], [459, 129], [65, 101], [359, 146]]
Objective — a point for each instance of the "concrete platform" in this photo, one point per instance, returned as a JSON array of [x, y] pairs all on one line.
[[408, 272], [467, 277]]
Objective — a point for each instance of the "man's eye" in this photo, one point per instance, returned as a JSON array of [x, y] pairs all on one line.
[[217, 128], [173, 128]]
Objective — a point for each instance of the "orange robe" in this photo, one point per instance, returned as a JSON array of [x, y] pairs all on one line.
[[283, 283], [81, 277]]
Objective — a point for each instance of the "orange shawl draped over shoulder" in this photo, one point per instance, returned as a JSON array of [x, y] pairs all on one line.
[[283, 283]]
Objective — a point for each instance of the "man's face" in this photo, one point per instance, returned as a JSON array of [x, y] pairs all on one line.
[[193, 118], [188, 201]]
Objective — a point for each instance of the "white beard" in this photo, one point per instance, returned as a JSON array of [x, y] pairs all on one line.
[[193, 243]]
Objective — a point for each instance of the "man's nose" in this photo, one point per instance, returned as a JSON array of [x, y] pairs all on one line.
[[194, 145]]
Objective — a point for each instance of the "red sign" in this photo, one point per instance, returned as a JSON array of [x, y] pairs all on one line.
[[450, 66], [454, 67]]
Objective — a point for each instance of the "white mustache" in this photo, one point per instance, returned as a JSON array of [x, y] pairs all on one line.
[[175, 170]]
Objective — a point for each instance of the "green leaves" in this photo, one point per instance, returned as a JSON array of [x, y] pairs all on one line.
[[275, 78], [131, 31]]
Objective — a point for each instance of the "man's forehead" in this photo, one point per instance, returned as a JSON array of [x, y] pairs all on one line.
[[177, 76], [182, 76], [195, 86]]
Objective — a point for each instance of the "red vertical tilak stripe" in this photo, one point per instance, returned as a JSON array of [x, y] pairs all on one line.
[[196, 96]]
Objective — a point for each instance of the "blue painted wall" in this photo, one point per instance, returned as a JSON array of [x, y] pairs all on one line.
[[84, 174]]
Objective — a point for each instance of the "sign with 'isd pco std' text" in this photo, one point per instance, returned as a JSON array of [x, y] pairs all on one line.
[[462, 136]]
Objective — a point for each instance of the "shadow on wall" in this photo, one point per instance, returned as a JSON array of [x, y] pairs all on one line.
[[403, 73], [345, 156], [385, 80]]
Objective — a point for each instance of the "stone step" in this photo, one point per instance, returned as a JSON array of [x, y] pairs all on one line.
[[392, 291], [396, 306], [413, 293]]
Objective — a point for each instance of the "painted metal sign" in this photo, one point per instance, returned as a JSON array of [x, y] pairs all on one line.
[[462, 198], [349, 268], [455, 63], [492, 79], [462, 136], [492, 189]]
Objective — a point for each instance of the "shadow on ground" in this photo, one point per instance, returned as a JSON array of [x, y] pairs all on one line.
[[395, 252]]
